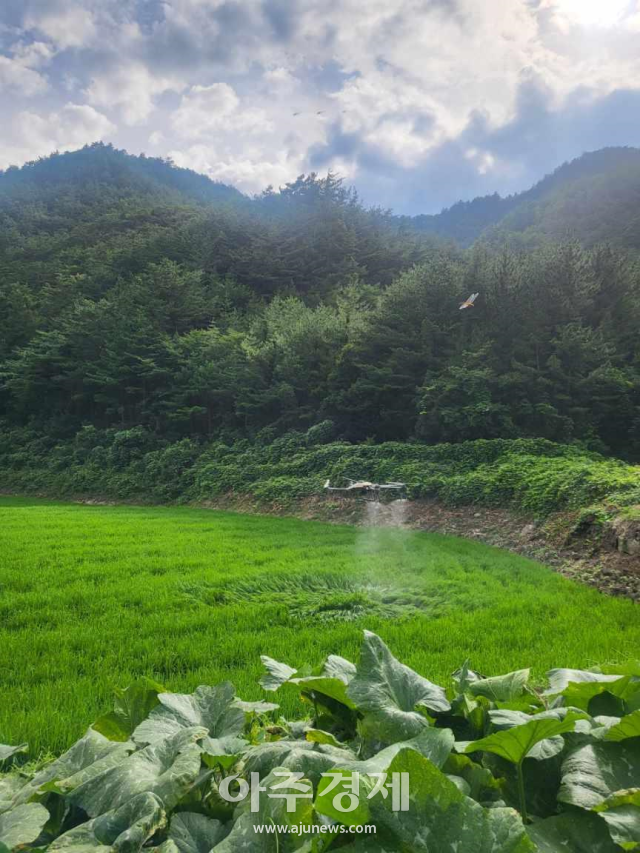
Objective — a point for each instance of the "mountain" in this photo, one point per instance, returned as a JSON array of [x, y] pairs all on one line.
[[102, 214], [143, 306], [594, 199], [98, 209], [102, 165]]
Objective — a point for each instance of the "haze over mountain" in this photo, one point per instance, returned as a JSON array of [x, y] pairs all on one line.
[[595, 198], [138, 296]]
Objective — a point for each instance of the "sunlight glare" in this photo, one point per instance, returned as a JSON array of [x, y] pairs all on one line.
[[594, 13]]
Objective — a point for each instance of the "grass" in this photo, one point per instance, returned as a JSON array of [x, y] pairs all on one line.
[[93, 596]]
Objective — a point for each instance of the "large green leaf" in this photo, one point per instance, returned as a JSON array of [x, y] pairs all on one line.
[[480, 782], [276, 675], [441, 818], [560, 679], [612, 698], [502, 719], [331, 681], [212, 708], [317, 686], [592, 772], [363, 844], [628, 727], [131, 706], [10, 787], [112, 759], [272, 811], [516, 743], [259, 707], [331, 794], [389, 692], [319, 736], [90, 750], [167, 769], [311, 758], [433, 744], [500, 688], [195, 833], [339, 667], [624, 826], [22, 825], [222, 752], [596, 692], [621, 812], [124, 829], [7, 752], [573, 832], [463, 677], [168, 846]]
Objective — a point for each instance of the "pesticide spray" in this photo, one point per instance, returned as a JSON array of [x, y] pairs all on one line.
[[392, 514], [385, 511], [381, 542]]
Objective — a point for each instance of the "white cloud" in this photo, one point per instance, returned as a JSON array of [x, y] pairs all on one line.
[[18, 77], [18, 71], [249, 173], [590, 13], [33, 54], [78, 124], [234, 89], [280, 81], [130, 88], [66, 24], [35, 135], [206, 109], [484, 161], [229, 140]]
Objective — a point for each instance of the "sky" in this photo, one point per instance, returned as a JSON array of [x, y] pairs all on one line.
[[418, 103]]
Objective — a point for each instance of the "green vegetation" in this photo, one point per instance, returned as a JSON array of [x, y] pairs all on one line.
[[166, 339], [161, 768], [532, 475], [592, 198], [94, 597], [134, 295]]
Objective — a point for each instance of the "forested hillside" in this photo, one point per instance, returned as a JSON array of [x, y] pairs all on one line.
[[593, 199], [137, 295]]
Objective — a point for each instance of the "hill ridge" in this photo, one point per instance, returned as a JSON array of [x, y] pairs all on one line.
[[496, 217]]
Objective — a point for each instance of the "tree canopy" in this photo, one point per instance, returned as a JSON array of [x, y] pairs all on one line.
[[133, 294]]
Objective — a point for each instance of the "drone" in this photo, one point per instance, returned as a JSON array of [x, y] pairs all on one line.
[[365, 490]]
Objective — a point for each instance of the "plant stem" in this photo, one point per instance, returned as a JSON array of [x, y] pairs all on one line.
[[523, 802]]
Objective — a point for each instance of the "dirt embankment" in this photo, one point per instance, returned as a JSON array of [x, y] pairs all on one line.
[[606, 556]]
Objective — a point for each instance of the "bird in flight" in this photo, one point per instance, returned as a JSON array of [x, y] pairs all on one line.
[[468, 303], [320, 113], [296, 114]]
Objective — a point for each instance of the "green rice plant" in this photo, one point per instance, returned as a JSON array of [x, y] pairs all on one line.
[[93, 597]]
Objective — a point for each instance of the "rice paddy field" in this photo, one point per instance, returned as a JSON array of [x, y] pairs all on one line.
[[93, 596]]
